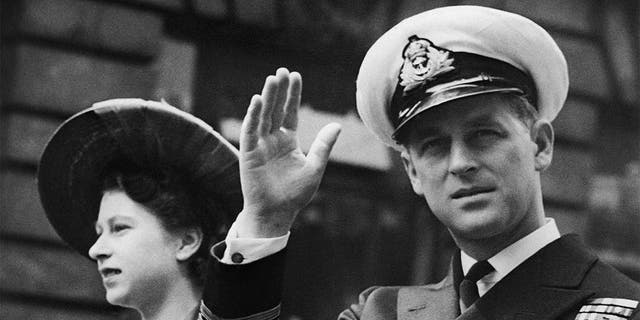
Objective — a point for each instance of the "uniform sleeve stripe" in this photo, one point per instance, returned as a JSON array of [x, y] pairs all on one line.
[[627, 303], [598, 316], [609, 309]]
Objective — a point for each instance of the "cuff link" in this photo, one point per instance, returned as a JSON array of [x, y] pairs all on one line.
[[237, 257]]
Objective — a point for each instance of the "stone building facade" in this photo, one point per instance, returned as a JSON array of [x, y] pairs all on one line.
[[209, 56]]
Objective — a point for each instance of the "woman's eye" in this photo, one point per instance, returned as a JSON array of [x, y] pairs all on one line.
[[119, 228]]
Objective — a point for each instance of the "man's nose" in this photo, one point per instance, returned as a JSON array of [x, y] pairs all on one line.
[[461, 159], [100, 249]]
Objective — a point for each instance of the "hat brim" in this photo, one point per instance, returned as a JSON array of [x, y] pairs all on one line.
[[450, 94], [488, 32], [145, 133]]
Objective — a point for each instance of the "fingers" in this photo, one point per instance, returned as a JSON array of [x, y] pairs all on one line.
[[321, 147], [249, 132], [274, 95], [276, 107], [293, 102], [282, 78], [269, 92]]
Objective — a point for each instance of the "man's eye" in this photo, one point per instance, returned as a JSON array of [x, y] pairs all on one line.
[[431, 145], [486, 133]]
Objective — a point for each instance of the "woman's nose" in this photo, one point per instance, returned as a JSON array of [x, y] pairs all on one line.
[[100, 249]]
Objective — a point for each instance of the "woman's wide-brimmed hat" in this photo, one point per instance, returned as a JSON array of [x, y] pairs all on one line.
[[147, 134]]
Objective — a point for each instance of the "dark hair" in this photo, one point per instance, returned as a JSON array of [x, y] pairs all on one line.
[[174, 200], [518, 105]]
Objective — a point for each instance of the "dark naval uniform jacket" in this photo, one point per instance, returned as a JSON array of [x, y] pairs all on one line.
[[561, 281]]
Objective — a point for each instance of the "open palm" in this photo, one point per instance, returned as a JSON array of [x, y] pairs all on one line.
[[277, 178]]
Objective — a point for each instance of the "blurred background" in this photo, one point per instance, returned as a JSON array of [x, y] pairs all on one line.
[[365, 226]]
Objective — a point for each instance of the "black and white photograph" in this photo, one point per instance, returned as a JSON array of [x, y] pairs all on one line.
[[320, 160]]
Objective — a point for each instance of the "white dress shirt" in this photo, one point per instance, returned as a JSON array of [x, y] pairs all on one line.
[[512, 256], [252, 249]]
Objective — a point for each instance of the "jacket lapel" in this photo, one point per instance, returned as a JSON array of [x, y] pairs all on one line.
[[543, 287], [431, 302], [472, 313]]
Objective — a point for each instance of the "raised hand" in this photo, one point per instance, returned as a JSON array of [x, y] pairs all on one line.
[[277, 178]]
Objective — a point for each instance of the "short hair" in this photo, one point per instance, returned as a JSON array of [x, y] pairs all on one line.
[[518, 105], [174, 200], [521, 107]]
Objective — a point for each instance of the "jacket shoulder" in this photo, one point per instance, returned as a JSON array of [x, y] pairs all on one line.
[[606, 280]]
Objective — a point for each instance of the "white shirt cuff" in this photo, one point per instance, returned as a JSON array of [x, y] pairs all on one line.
[[247, 250]]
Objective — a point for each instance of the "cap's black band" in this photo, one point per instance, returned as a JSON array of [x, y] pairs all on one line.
[[467, 68]]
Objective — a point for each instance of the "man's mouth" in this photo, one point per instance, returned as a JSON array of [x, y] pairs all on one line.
[[468, 192]]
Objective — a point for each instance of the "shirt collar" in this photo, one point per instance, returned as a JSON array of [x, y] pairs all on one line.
[[516, 253]]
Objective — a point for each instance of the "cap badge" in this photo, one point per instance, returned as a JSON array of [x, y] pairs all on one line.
[[423, 61]]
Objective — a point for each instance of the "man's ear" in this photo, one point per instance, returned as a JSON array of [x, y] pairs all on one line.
[[411, 171], [542, 136], [190, 241]]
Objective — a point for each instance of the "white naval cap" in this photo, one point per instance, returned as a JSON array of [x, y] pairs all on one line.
[[453, 52]]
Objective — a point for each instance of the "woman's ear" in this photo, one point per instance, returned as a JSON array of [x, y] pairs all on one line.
[[542, 136], [411, 171], [190, 242]]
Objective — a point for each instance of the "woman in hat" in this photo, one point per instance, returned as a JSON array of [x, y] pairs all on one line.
[[144, 189]]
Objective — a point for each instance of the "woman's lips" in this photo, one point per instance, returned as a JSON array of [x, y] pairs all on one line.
[[109, 272]]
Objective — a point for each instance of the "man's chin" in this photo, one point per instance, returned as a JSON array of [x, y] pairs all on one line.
[[477, 225]]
